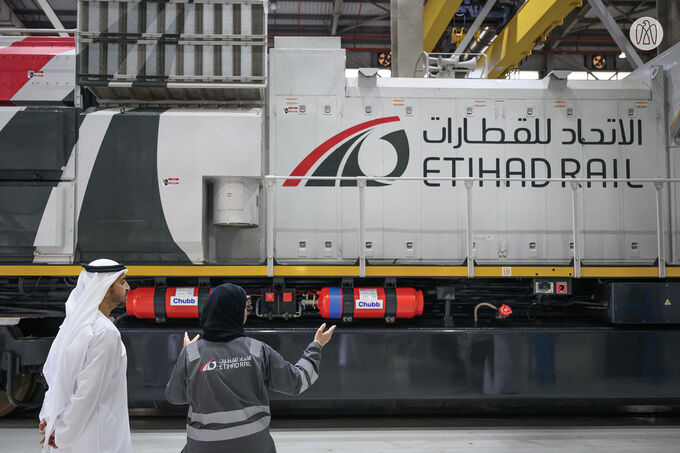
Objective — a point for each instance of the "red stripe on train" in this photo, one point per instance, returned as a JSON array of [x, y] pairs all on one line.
[[29, 54]]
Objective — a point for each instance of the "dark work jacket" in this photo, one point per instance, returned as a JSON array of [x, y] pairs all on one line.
[[225, 385]]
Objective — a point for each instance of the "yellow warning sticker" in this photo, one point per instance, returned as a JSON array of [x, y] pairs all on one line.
[[668, 302]]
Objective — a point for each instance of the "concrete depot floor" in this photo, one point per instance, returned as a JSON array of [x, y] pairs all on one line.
[[396, 435]]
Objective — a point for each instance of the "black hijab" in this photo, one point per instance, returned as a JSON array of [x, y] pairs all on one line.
[[222, 315]]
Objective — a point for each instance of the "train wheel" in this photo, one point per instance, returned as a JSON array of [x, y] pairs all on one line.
[[24, 385]]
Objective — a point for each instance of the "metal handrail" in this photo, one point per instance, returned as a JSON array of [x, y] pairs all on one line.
[[472, 179], [575, 184], [40, 31], [463, 54]]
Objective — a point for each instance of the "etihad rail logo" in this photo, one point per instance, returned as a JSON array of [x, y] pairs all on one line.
[[209, 365], [227, 364], [342, 150]]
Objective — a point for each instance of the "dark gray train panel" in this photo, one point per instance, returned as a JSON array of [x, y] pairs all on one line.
[[121, 215], [644, 303], [36, 144], [452, 370]]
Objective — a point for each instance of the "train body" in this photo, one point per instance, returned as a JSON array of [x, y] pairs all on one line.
[[349, 198], [190, 189]]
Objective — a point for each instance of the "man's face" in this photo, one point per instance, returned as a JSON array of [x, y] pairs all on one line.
[[118, 291]]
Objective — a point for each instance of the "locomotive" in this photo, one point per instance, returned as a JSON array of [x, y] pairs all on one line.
[[486, 245]]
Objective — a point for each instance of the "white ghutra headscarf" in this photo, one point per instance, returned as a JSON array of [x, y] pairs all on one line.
[[67, 353]]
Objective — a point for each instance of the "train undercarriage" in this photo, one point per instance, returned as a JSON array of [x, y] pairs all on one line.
[[577, 352]]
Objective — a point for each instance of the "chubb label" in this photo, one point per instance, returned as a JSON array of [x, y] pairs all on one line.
[[370, 304], [184, 301]]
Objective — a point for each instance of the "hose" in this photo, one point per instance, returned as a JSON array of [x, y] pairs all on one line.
[[120, 319], [483, 304]]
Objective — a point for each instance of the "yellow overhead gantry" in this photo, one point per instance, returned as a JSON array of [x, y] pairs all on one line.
[[436, 17], [532, 24]]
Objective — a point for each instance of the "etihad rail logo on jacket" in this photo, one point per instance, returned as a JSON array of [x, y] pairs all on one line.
[[345, 147], [227, 364]]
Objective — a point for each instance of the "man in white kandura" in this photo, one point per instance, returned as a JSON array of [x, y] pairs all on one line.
[[85, 407]]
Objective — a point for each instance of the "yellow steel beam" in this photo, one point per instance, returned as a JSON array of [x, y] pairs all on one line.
[[436, 16], [353, 271], [35, 270], [523, 271], [316, 271], [532, 24], [620, 272], [416, 271]]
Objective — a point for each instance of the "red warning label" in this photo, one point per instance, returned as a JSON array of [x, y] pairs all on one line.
[[561, 287]]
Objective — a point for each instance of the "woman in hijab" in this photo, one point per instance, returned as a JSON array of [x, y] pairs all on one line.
[[224, 378]]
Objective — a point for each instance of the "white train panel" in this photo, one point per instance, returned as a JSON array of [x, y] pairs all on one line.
[[37, 70], [466, 129], [140, 184]]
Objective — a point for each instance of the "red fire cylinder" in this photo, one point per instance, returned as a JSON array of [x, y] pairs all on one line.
[[335, 303], [171, 302]]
